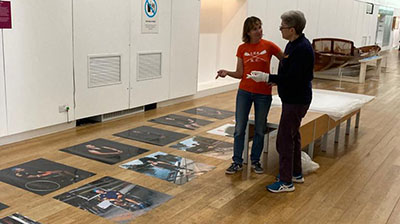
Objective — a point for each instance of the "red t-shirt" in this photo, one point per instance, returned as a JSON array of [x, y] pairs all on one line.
[[256, 57]]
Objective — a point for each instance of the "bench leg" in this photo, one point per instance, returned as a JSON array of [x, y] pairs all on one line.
[[378, 67], [311, 149], [337, 133], [358, 119], [348, 124], [311, 145], [324, 142], [363, 70]]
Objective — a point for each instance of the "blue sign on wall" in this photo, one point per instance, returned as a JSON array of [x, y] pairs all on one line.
[[150, 8]]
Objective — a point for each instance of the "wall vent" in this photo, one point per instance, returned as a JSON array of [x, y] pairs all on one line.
[[149, 66], [122, 113], [109, 116], [104, 70]]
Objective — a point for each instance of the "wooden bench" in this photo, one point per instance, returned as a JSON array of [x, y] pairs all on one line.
[[313, 126]]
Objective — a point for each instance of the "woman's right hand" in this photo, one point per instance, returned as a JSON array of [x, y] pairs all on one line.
[[221, 73]]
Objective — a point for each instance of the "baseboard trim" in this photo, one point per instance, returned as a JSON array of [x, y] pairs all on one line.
[[36, 133]]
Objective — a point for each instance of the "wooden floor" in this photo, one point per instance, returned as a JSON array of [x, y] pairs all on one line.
[[358, 182]]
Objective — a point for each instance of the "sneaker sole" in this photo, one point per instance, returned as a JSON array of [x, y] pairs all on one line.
[[258, 172], [233, 172], [282, 191], [298, 181]]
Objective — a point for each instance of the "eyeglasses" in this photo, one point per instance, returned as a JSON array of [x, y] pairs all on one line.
[[284, 27]]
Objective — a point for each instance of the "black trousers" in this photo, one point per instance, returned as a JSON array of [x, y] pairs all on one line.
[[288, 142]]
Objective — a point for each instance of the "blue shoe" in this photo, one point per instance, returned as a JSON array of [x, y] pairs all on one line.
[[280, 186], [299, 179]]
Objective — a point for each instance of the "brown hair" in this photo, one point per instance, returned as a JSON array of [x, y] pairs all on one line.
[[248, 25]]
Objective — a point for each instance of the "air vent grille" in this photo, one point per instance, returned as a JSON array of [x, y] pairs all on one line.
[[149, 66], [104, 70]]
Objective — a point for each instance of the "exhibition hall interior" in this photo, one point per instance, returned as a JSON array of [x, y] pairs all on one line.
[[119, 111]]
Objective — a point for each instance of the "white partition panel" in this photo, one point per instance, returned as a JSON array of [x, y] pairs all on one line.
[[271, 23], [336, 18], [344, 19], [184, 47], [327, 19], [221, 23], [231, 35], [101, 56], [310, 8], [38, 64], [359, 10], [209, 41], [208, 57], [150, 56], [3, 111]]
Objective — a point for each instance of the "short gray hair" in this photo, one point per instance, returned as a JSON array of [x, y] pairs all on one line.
[[295, 19]]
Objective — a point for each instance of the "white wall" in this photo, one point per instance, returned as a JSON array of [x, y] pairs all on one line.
[[272, 22], [3, 109], [38, 63], [101, 28], [370, 27], [114, 27], [396, 32], [335, 18], [210, 29], [221, 24], [388, 3], [184, 47], [231, 36], [208, 57], [51, 40], [345, 19]]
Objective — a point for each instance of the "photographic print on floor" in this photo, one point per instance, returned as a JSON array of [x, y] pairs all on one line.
[[207, 147], [42, 176], [105, 151], [174, 169], [181, 121], [17, 219], [114, 199], [224, 130], [3, 206], [210, 112], [152, 135]]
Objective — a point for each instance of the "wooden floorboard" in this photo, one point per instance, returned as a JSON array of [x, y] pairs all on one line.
[[358, 180]]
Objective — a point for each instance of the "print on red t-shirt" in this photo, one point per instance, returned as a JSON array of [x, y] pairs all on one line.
[[256, 57]]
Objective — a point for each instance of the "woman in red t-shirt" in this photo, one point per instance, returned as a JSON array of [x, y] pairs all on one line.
[[253, 55]]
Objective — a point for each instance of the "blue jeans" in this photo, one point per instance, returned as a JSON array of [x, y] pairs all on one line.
[[244, 101]]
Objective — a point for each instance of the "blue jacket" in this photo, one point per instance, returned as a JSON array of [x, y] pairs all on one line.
[[295, 72]]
